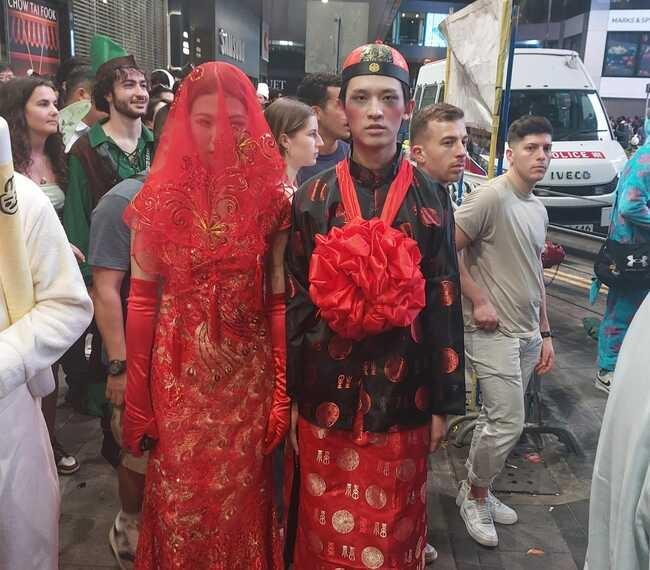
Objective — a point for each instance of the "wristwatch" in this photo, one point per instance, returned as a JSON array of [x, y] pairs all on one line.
[[116, 367], [546, 334]]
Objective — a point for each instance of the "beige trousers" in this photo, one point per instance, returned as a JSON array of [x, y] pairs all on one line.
[[503, 365]]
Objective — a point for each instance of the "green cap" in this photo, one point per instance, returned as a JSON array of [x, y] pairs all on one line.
[[104, 49]]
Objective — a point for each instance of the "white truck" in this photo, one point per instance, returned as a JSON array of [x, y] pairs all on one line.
[[578, 189]]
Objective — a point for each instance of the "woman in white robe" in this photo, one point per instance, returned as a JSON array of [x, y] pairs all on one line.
[[29, 490], [619, 511]]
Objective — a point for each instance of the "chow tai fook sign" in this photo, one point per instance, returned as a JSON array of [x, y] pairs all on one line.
[[33, 36]]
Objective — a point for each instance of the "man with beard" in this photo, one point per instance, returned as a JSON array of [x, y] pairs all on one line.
[[371, 375], [112, 150]]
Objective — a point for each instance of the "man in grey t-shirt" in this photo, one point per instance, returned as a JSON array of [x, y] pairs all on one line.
[[501, 228], [110, 259]]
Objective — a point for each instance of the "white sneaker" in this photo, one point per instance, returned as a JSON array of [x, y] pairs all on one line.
[[603, 380], [501, 513], [123, 539], [478, 521], [430, 554]]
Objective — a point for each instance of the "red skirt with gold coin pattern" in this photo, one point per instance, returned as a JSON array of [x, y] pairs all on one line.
[[362, 499]]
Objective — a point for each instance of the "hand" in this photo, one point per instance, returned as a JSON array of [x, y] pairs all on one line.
[[546, 358], [77, 253], [438, 431], [485, 316], [293, 432], [115, 388]]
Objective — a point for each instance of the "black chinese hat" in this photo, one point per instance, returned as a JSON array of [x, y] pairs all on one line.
[[375, 59]]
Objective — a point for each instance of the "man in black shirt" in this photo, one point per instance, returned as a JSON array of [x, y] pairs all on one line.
[[367, 411]]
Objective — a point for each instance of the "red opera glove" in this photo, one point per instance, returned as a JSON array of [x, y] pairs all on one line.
[[280, 416], [138, 420]]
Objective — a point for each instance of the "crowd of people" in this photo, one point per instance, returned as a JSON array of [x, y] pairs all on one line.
[[629, 132], [271, 281]]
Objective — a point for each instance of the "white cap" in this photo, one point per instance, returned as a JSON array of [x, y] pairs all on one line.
[[5, 143], [263, 90], [170, 77]]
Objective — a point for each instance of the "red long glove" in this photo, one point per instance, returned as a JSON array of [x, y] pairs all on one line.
[[138, 420], [280, 416]]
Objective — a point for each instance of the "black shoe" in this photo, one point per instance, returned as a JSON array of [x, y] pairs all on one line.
[[66, 464]]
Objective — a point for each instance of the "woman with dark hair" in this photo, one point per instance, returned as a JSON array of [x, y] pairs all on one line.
[[205, 330], [295, 129], [29, 106]]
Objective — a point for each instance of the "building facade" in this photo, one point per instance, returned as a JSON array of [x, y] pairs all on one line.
[[414, 31], [221, 30], [617, 53], [307, 36]]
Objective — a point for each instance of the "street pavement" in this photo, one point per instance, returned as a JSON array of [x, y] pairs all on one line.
[[552, 530]]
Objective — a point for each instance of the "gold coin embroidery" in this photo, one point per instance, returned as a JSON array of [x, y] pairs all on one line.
[[343, 522]]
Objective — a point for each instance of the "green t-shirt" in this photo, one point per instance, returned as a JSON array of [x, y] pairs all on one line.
[[79, 198]]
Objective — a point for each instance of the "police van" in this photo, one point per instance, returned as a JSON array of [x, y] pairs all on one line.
[[578, 188]]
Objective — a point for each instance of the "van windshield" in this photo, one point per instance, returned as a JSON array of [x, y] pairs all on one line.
[[575, 115]]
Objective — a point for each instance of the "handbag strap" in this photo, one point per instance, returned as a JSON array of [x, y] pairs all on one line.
[[396, 193]]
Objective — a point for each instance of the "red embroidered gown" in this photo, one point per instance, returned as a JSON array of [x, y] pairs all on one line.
[[207, 232]]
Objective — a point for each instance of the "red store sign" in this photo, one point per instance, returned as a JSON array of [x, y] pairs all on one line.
[[33, 40]]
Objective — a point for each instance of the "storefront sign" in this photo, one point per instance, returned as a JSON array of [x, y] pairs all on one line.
[[33, 40], [231, 46], [629, 20], [279, 84]]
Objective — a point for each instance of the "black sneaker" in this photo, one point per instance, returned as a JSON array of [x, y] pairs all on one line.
[[66, 464]]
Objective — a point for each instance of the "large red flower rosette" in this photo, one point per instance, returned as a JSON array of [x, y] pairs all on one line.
[[365, 278]]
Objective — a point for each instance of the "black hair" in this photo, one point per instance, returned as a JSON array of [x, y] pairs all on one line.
[[105, 82], [159, 125], [6, 66], [159, 77], [80, 76], [313, 88], [157, 90], [13, 99], [67, 67], [528, 125]]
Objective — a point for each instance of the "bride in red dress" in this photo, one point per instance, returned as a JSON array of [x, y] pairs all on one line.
[[205, 330]]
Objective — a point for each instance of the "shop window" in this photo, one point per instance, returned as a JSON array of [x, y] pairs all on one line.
[[432, 35], [572, 43], [410, 28], [627, 54], [644, 56]]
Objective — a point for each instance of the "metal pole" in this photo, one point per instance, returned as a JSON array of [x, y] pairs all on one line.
[[338, 42], [506, 21], [447, 67], [505, 112]]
